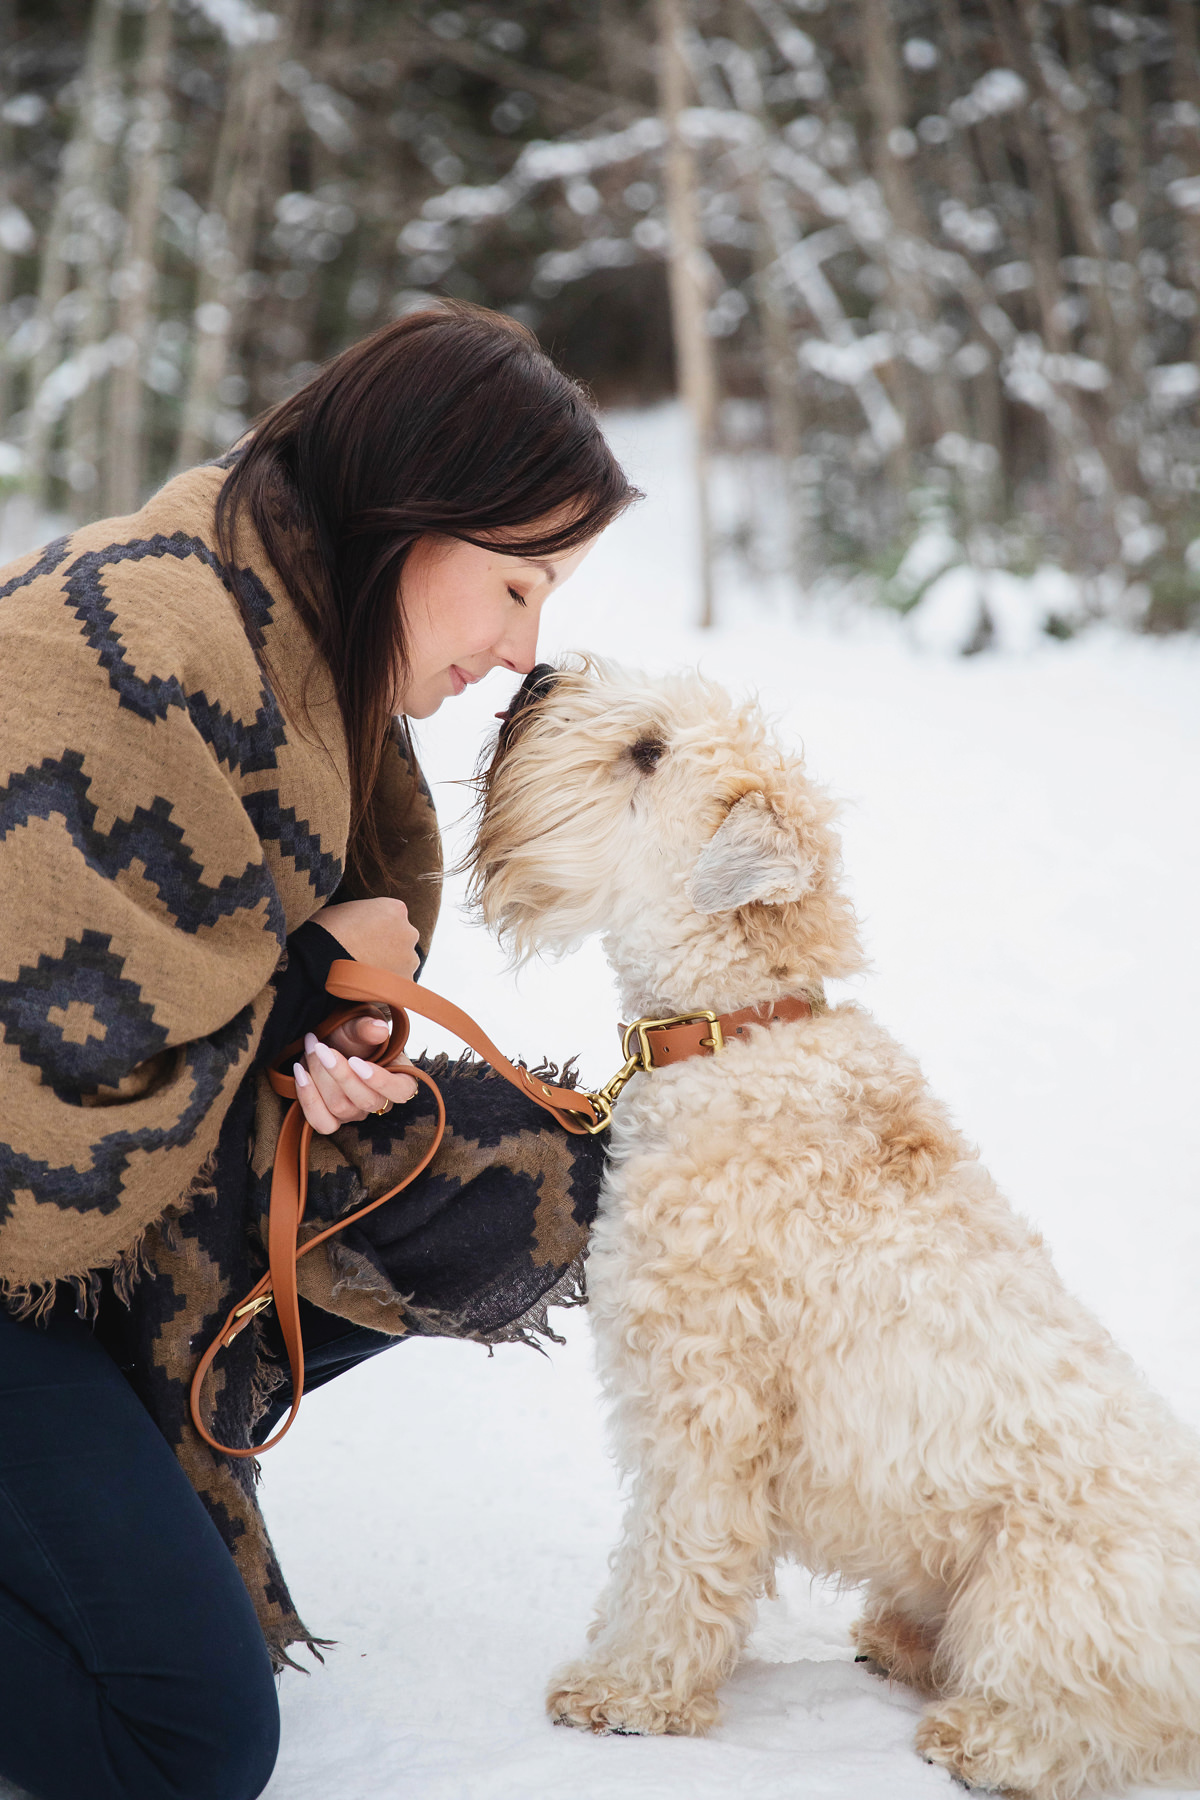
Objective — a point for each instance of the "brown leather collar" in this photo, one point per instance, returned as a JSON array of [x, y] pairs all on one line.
[[664, 1042]]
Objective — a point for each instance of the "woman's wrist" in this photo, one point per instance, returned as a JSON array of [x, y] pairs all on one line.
[[374, 931], [301, 1001]]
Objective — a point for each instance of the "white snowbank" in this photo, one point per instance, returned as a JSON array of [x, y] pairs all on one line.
[[1013, 609], [1020, 837], [1021, 840]]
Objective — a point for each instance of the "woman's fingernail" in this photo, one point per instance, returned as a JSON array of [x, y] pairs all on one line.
[[365, 1069], [326, 1056], [310, 1042], [301, 1077], [378, 1027]]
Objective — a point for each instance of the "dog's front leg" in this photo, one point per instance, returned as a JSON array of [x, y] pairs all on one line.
[[693, 1556]]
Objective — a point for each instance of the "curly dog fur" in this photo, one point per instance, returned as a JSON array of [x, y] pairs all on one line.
[[824, 1333]]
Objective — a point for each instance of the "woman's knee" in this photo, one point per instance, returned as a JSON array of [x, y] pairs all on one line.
[[236, 1737], [218, 1741], [248, 1733]]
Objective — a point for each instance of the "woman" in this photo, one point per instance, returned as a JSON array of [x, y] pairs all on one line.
[[207, 798]]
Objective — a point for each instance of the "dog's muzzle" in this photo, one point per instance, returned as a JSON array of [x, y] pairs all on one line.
[[536, 685]]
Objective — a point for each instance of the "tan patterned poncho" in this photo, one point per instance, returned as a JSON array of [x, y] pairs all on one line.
[[164, 825]]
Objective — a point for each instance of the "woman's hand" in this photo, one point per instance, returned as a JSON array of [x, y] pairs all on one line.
[[374, 931], [336, 1085]]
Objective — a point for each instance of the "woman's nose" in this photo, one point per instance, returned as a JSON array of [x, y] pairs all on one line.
[[518, 647]]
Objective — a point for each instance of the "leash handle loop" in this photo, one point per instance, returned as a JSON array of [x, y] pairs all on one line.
[[572, 1107], [365, 988]]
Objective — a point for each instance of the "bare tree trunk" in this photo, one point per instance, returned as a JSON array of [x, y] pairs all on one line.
[[885, 92], [75, 189], [90, 329], [1132, 81], [1185, 81], [695, 358], [1071, 429], [7, 33], [774, 236], [783, 385], [253, 121], [1078, 189], [137, 287], [1081, 129], [987, 396]]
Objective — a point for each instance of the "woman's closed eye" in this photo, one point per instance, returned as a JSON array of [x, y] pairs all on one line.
[[515, 595]]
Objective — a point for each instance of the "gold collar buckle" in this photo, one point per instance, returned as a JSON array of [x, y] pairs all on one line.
[[642, 1027]]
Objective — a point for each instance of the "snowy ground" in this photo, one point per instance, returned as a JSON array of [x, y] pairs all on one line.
[[1021, 840]]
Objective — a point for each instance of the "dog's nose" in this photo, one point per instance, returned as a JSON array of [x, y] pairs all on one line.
[[536, 685]]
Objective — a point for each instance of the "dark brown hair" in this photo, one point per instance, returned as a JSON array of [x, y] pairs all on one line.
[[452, 421]]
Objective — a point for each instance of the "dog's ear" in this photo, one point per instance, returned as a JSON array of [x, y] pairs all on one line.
[[752, 856]]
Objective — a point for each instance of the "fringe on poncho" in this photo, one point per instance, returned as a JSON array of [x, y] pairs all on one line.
[[165, 823]]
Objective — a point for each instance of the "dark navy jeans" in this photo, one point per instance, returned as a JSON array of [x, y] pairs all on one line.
[[132, 1666]]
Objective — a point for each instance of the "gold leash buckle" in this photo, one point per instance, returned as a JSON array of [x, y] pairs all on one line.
[[605, 1098], [639, 1057]]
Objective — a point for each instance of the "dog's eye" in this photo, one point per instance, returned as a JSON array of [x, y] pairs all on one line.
[[646, 753]]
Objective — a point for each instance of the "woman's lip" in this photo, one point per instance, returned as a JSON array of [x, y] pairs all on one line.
[[459, 678]]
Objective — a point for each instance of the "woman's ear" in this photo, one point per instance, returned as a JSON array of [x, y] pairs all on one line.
[[753, 855]]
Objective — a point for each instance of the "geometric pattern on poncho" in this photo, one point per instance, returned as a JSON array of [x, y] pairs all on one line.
[[167, 818], [165, 824]]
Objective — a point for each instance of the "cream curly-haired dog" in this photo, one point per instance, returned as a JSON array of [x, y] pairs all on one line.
[[825, 1334]]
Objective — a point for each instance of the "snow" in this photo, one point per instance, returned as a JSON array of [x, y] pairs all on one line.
[[933, 549], [1020, 836], [948, 615]]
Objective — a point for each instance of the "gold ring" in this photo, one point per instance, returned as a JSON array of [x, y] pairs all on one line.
[[378, 1111]]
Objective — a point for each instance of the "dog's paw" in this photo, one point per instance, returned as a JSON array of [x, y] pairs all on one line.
[[896, 1648], [968, 1738], [593, 1699]]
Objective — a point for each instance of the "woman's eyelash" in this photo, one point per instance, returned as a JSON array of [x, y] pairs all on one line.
[[519, 598]]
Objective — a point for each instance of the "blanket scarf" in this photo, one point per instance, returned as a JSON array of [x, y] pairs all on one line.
[[167, 818]]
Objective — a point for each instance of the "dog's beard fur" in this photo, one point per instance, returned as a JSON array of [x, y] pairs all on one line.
[[823, 1332]]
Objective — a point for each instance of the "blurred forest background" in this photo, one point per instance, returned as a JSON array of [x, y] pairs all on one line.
[[925, 272]]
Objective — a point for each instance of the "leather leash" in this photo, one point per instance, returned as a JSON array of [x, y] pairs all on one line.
[[646, 1044], [575, 1111]]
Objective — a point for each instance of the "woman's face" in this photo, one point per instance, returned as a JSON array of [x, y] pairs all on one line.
[[469, 610]]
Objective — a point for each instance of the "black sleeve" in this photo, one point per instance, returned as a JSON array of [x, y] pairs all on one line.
[[300, 998]]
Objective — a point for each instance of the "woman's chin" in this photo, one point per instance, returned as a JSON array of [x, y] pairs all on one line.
[[422, 705]]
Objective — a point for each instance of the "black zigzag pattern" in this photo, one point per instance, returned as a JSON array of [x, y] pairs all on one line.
[[295, 838], [262, 605], [112, 1030], [243, 744], [98, 1187], [151, 837], [84, 587], [54, 553], [243, 747]]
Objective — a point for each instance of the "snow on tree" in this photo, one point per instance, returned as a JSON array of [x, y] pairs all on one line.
[[933, 265]]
